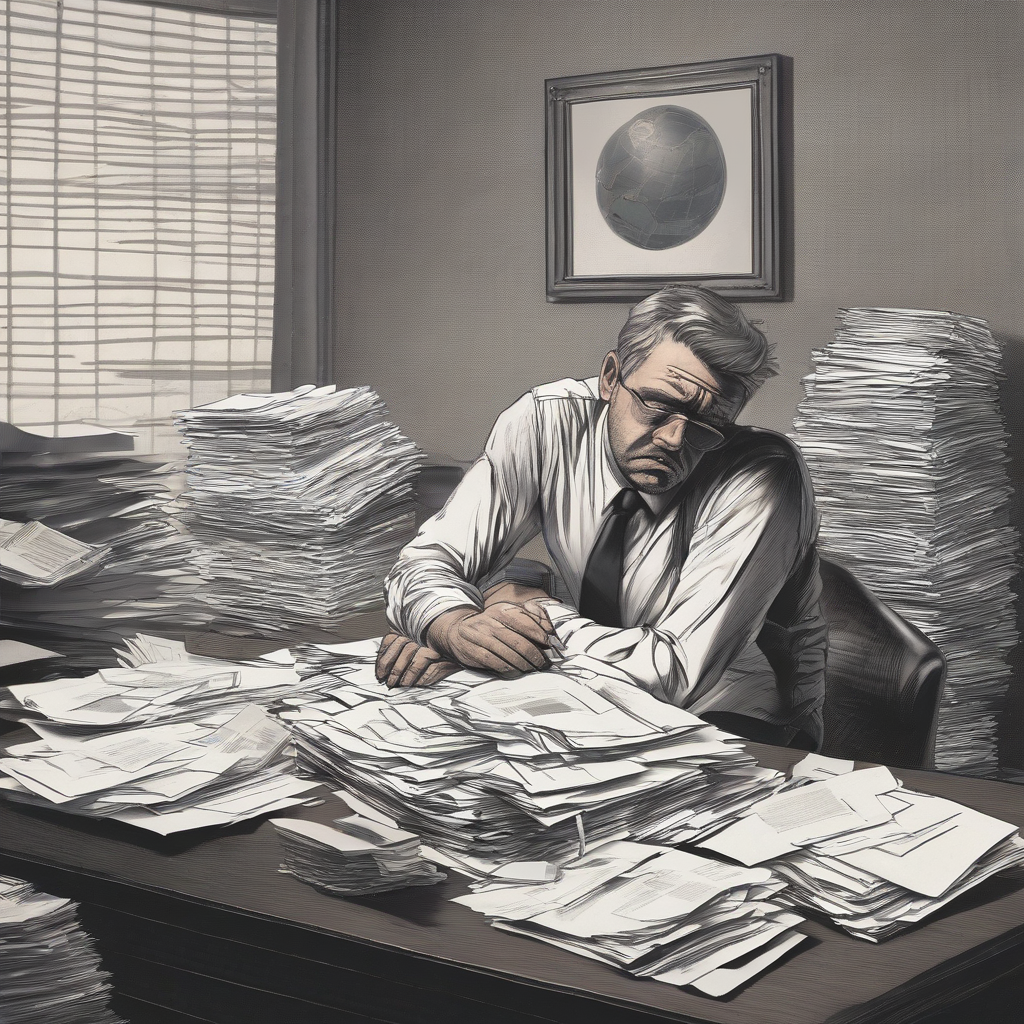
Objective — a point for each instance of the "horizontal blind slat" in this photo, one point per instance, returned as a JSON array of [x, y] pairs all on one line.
[[143, 171]]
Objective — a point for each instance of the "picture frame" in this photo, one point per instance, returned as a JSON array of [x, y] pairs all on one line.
[[664, 175]]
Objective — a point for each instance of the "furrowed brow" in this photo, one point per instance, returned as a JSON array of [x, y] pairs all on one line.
[[695, 400], [706, 392]]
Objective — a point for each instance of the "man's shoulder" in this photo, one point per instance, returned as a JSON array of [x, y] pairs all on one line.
[[557, 411], [569, 390], [752, 450], [760, 442]]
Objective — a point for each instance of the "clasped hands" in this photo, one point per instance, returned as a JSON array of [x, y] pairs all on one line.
[[509, 637]]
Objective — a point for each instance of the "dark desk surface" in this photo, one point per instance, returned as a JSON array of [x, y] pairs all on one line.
[[204, 922]]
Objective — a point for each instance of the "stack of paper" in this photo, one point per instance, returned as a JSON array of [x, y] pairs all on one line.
[[869, 854], [358, 857], [903, 436], [117, 507], [49, 968], [653, 911], [36, 556], [301, 502], [490, 771], [170, 746]]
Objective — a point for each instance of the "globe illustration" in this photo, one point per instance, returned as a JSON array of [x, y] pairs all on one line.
[[661, 177]]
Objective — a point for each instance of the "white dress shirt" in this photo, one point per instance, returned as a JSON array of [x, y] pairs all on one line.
[[689, 625]]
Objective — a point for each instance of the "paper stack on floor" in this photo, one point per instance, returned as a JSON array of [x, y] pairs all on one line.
[[168, 746], [490, 771], [358, 857], [868, 853], [118, 507], [301, 502], [902, 432], [653, 911], [49, 969]]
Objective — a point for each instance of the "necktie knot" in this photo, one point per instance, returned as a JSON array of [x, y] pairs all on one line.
[[626, 502]]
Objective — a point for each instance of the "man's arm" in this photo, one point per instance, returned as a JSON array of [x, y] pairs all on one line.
[[746, 541], [432, 594], [404, 662]]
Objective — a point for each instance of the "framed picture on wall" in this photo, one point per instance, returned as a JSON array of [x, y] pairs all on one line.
[[664, 175]]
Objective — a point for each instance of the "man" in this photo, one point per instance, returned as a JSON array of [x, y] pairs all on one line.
[[686, 541]]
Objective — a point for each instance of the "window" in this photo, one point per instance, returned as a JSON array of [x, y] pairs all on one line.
[[138, 222]]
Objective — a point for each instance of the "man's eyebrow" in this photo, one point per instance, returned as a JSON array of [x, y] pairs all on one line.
[[700, 402], [677, 374]]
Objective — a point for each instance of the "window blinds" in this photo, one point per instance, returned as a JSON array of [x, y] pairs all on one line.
[[138, 221]]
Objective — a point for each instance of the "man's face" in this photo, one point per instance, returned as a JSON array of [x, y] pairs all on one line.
[[648, 436]]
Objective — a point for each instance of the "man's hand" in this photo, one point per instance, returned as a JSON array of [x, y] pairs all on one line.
[[403, 662], [506, 638]]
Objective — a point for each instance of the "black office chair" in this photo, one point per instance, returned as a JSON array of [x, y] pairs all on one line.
[[883, 678]]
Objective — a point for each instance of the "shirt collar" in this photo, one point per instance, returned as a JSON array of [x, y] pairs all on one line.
[[612, 479]]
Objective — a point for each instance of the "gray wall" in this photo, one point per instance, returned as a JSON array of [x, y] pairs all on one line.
[[906, 176]]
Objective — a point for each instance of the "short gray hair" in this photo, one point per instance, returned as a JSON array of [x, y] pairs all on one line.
[[711, 327]]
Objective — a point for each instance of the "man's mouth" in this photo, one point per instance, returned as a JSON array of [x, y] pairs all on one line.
[[660, 460]]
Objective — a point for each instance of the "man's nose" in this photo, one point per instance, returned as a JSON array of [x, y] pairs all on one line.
[[670, 435]]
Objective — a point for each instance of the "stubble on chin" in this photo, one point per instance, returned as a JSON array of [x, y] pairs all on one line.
[[654, 481]]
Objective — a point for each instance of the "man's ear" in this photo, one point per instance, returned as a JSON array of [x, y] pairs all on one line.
[[609, 375]]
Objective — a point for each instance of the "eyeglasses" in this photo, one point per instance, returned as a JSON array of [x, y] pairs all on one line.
[[697, 434]]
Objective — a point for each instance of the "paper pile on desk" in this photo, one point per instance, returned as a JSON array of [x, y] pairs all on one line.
[[36, 556], [903, 436], [654, 912], [301, 502], [868, 853], [490, 771], [170, 746], [358, 857], [141, 576], [49, 968]]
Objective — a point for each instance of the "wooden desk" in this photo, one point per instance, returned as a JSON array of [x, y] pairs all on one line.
[[203, 927]]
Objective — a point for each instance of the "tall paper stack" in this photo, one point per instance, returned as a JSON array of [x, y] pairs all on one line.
[[117, 504], [903, 436], [301, 502], [49, 968]]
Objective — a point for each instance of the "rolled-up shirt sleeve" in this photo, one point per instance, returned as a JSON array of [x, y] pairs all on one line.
[[489, 516], [747, 539]]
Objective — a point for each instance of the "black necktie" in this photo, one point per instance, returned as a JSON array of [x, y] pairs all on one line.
[[599, 595]]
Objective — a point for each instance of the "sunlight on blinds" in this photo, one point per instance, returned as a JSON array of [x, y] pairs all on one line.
[[138, 222]]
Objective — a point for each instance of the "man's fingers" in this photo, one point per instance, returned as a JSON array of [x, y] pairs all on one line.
[[390, 648], [524, 649], [420, 662], [539, 612], [402, 662], [484, 658], [520, 620], [435, 672], [513, 652]]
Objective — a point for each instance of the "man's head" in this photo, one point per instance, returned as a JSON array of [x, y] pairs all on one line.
[[686, 364]]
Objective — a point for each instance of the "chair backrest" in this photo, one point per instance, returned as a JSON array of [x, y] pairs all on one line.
[[434, 487], [883, 678]]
